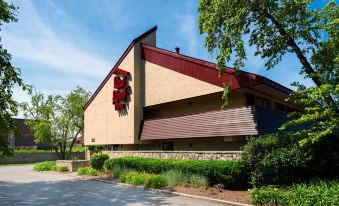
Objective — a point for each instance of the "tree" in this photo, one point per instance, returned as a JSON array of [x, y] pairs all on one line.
[[57, 120], [277, 28], [9, 77]]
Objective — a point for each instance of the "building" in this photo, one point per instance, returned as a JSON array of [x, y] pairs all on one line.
[[26, 138], [154, 99], [79, 141]]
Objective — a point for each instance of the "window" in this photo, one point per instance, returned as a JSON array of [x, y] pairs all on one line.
[[260, 101], [113, 147], [279, 107], [168, 146]]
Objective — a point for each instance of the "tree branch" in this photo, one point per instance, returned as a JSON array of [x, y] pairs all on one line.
[[72, 144], [308, 68]]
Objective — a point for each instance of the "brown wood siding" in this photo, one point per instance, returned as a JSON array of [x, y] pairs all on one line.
[[230, 122]]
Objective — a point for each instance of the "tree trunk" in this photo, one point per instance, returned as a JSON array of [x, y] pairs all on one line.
[[64, 148], [57, 152], [72, 144]]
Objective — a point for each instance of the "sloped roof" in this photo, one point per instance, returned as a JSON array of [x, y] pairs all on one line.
[[139, 38], [204, 70], [196, 68]]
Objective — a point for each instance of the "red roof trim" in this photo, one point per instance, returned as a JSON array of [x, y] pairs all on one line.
[[196, 68], [205, 71], [118, 63]]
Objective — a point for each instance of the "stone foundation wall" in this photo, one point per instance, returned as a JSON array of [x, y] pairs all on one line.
[[73, 166], [21, 158], [185, 155]]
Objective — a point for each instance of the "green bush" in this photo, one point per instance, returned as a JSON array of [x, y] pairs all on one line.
[[156, 182], [44, 166], [87, 171], [134, 178], [54, 168], [229, 173], [175, 177], [117, 171], [142, 178], [62, 168], [288, 161], [96, 148], [77, 149], [198, 181], [315, 193], [98, 160]]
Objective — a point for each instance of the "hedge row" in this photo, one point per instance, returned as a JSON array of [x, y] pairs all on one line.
[[229, 173]]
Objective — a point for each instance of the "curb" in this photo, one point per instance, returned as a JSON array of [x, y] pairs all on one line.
[[168, 192]]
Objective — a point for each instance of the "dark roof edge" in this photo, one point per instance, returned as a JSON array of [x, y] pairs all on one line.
[[118, 63]]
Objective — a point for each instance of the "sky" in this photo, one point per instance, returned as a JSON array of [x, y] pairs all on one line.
[[61, 44]]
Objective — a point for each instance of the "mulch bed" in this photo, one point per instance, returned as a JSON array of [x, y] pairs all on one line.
[[230, 195]]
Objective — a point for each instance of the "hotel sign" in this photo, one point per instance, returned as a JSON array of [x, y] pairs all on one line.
[[121, 88]]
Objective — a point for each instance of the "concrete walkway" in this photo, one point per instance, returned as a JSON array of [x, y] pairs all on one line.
[[20, 185]]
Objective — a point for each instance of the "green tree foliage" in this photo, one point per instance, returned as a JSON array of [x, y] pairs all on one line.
[[9, 77], [280, 159], [57, 120], [276, 28]]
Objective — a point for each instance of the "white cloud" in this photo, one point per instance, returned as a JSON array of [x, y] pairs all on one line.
[[32, 39], [188, 30], [187, 27]]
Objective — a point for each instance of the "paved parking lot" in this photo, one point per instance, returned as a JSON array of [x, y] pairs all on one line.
[[20, 185]]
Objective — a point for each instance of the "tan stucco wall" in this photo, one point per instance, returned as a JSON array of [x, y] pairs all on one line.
[[164, 85], [102, 122], [105, 124]]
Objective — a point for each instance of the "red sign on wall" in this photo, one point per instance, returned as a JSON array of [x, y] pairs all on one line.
[[121, 89]]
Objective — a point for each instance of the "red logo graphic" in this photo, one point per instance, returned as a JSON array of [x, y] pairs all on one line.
[[121, 89]]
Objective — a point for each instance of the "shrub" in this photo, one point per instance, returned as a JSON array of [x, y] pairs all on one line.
[[76, 149], [198, 181], [118, 171], [175, 177], [315, 193], [142, 178], [44, 166], [98, 161], [156, 182], [87, 171], [96, 148], [268, 196], [54, 168], [288, 161], [134, 178], [62, 168], [230, 173]]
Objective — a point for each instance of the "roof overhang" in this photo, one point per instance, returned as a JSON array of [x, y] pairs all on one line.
[[242, 121]]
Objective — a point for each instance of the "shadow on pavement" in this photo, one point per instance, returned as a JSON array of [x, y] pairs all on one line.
[[77, 192]]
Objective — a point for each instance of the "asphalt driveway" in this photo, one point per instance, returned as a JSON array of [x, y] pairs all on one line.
[[20, 185]]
